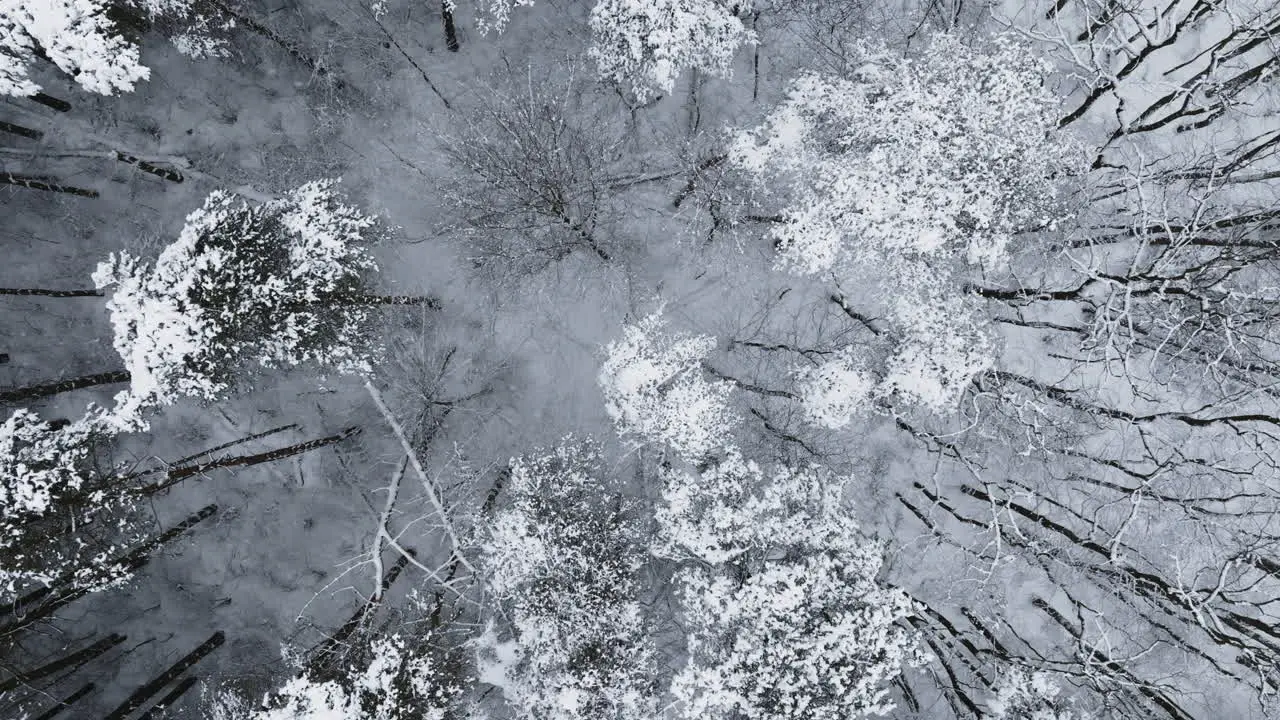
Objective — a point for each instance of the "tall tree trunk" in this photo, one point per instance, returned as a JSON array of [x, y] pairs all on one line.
[[46, 292], [144, 693], [319, 666], [27, 610], [144, 166], [56, 710], [450, 31], [51, 102], [74, 660], [37, 392], [177, 475], [38, 184], [169, 699], [427, 300], [25, 132]]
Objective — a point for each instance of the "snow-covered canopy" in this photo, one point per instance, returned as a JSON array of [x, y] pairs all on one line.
[[276, 284]]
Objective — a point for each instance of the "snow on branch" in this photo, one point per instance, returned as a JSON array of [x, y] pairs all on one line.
[[277, 285], [398, 682], [75, 35], [646, 44], [908, 176], [655, 390], [562, 560], [784, 615]]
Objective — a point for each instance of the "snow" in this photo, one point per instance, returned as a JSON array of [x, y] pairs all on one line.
[[75, 35], [655, 390]]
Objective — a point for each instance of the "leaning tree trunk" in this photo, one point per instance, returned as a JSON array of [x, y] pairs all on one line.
[[37, 392], [56, 710], [21, 131], [28, 611], [72, 661], [168, 700], [177, 475], [51, 102], [450, 30], [34, 183], [46, 292], [321, 665], [144, 693]]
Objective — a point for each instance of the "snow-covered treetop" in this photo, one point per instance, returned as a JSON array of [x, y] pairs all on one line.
[[397, 684], [562, 559], [39, 461], [49, 481], [784, 614], [913, 174], [733, 507], [646, 44], [1024, 695], [276, 284], [656, 392], [75, 35]]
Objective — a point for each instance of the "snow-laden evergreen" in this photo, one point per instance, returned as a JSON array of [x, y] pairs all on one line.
[[562, 560], [277, 284], [75, 35]]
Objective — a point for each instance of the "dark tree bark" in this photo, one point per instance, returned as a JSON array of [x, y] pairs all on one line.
[[178, 474], [450, 30], [38, 184], [41, 603], [144, 693], [37, 392], [46, 292], [323, 656], [144, 166], [74, 660], [51, 102], [19, 130], [427, 300], [74, 697], [169, 699]]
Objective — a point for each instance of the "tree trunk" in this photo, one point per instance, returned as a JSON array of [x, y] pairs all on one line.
[[56, 710], [323, 655], [144, 166], [427, 300], [450, 31], [314, 65], [51, 102], [37, 392], [142, 694], [177, 475], [74, 660], [45, 292], [169, 699], [38, 184], [25, 132], [131, 561]]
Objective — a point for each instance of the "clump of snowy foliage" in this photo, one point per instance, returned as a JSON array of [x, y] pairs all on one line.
[[562, 561], [784, 615], [75, 35], [913, 173], [276, 284], [60, 519], [655, 389], [398, 683], [646, 44], [1025, 695]]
